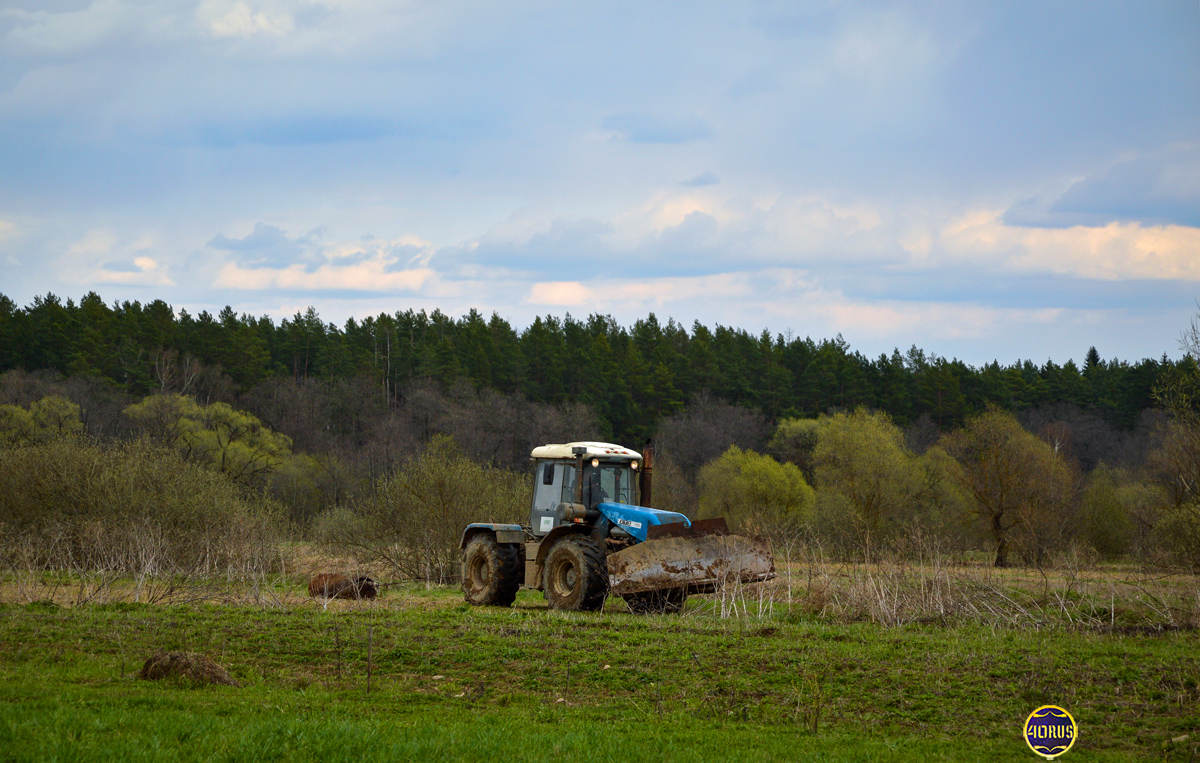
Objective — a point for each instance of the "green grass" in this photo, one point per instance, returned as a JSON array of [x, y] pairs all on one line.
[[456, 683]]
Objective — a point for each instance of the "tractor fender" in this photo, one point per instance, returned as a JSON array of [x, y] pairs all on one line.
[[547, 543], [501, 532]]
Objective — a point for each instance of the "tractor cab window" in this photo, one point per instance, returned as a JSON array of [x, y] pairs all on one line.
[[547, 488], [568, 483], [612, 482]]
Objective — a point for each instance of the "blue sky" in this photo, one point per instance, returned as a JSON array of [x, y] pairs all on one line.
[[985, 180]]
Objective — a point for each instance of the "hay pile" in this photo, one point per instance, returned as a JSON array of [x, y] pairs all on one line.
[[196, 667]]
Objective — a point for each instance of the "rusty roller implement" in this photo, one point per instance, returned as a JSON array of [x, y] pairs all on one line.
[[700, 558]]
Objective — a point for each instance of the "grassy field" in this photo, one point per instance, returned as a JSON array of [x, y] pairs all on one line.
[[449, 682]]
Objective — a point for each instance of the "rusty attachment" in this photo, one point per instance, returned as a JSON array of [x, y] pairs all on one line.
[[682, 530], [695, 563]]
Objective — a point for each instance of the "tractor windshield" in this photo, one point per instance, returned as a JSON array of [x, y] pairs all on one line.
[[608, 482]]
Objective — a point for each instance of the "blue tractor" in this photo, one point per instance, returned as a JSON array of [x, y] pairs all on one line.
[[591, 533]]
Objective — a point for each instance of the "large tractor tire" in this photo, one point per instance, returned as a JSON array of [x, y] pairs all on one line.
[[491, 572], [667, 601], [576, 575]]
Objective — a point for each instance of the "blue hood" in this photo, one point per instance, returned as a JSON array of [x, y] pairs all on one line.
[[636, 520]]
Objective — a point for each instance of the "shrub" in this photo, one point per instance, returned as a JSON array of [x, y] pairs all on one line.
[[1177, 536], [866, 474], [1106, 516], [793, 442], [132, 507], [414, 518], [228, 440], [755, 493]]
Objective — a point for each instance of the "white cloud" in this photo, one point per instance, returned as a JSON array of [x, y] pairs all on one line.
[[102, 256], [1113, 252], [146, 271], [224, 19], [400, 264], [1159, 187], [9, 230], [97, 241], [369, 276], [670, 210], [560, 294], [894, 321], [777, 298], [734, 234]]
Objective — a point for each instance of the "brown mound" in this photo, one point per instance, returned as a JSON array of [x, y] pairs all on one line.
[[330, 585], [188, 665]]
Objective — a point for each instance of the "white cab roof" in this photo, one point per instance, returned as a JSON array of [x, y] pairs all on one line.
[[601, 449]]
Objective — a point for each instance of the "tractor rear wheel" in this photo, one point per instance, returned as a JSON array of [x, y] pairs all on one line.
[[491, 572], [576, 574], [656, 602]]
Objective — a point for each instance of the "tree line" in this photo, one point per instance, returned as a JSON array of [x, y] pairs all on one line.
[[358, 435], [631, 378], [849, 482]]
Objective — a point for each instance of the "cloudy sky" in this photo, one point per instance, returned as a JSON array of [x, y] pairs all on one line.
[[985, 180]]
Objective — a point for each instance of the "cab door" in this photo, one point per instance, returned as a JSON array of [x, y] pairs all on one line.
[[547, 493]]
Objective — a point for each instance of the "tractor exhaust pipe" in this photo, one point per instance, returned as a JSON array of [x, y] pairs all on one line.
[[646, 475]]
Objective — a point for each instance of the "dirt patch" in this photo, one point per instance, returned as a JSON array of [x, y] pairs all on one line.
[[196, 667]]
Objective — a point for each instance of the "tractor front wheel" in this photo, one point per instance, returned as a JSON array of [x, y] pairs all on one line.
[[576, 574], [491, 572]]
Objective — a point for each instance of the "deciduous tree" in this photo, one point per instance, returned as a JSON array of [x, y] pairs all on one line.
[[1020, 488], [755, 492], [231, 441], [863, 467]]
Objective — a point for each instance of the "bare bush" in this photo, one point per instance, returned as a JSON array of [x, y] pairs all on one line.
[[128, 509], [706, 429], [494, 428], [412, 522], [931, 584], [672, 490], [18, 387]]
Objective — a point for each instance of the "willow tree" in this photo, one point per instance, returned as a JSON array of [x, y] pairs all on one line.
[[44, 420], [1020, 489], [755, 492], [231, 441], [861, 463]]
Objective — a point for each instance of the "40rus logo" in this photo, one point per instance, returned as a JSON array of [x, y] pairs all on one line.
[[1050, 731]]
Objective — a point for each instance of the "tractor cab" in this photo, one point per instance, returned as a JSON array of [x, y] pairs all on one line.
[[572, 481]]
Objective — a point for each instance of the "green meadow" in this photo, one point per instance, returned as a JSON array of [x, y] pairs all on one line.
[[448, 682]]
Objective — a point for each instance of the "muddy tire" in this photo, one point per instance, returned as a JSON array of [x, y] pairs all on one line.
[[576, 575], [656, 602], [491, 572]]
